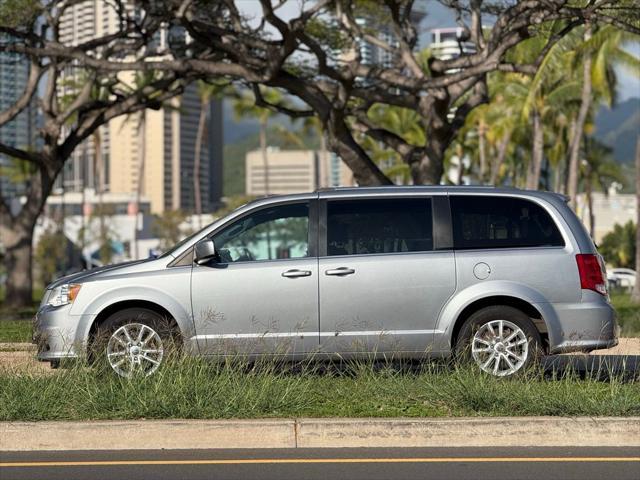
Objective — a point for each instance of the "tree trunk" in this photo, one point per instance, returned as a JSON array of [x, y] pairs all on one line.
[[482, 153], [97, 146], [588, 191], [197, 201], [636, 290], [142, 154], [439, 133], [341, 142], [499, 161], [16, 232], [429, 168], [585, 105], [265, 154], [324, 159], [537, 153], [18, 261]]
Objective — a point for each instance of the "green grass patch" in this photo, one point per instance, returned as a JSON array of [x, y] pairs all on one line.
[[628, 314], [195, 388], [15, 331]]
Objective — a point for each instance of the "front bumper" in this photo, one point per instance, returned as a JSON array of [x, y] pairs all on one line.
[[58, 334], [581, 327]]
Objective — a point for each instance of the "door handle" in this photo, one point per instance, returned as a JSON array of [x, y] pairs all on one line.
[[340, 271], [296, 273]]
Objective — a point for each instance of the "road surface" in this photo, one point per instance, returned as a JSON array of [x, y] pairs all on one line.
[[328, 464]]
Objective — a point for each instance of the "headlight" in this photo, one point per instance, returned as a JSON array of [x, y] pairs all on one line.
[[64, 294]]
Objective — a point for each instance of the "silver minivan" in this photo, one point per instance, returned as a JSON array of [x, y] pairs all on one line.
[[498, 276]]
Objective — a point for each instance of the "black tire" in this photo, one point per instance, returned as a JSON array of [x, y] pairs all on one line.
[[463, 346], [131, 317]]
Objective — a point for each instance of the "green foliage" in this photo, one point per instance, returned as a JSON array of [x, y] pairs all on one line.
[[167, 228], [197, 388], [628, 314], [18, 171], [326, 32], [618, 247], [19, 13], [50, 254]]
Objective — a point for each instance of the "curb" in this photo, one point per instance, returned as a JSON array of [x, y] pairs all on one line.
[[321, 433], [17, 347]]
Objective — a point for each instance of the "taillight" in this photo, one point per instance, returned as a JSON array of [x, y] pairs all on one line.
[[591, 273]]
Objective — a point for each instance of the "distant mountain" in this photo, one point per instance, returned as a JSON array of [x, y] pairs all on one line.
[[238, 129], [619, 128]]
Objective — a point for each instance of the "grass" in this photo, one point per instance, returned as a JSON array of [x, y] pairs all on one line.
[[195, 388], [15, 331], [628, 314]]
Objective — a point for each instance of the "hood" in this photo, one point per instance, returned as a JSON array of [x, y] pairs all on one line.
[[85, 275]]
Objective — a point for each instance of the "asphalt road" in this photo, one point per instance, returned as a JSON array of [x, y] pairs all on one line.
[[334, 464]]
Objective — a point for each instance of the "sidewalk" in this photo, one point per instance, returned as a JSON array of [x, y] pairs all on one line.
[[321, 433]]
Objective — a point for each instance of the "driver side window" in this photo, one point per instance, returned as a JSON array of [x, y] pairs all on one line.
[[272, 233]]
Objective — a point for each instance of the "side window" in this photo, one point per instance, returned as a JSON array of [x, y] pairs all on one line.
[[356, 227], [501, 222], [272, 233]]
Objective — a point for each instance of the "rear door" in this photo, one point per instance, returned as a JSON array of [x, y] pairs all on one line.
[[382, 277]]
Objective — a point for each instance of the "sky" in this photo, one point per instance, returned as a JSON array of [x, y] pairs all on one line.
[[439, 16]]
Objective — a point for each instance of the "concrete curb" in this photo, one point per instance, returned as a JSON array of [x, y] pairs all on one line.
[[17, 347], [320, 433]]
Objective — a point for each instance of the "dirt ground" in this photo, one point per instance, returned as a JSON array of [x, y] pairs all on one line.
[[627, 346], [22, 362], [20, 358]]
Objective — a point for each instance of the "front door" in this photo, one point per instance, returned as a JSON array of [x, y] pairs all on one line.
[[261, 294], [382, 284]]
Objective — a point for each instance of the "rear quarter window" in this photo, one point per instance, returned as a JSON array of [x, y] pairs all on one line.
[[501, 222]]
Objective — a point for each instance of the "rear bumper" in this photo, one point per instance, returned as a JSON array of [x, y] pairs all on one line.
[[581, 327]]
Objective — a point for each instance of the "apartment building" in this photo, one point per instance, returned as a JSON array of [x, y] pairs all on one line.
[[293, 171], [19, 132], [153, 151]]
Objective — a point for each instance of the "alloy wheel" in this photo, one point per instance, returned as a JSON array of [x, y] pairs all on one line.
[[135, 348], [500, 347]]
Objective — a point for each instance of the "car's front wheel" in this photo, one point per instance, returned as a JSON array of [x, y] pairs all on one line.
[[500, 340], [134, 341]]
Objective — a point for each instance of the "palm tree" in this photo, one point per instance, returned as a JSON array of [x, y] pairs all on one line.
[[140, 119], [598, 169], [100, 186], [636, 289], [579, 121], [599, 51], [545, 96], [244, 106]]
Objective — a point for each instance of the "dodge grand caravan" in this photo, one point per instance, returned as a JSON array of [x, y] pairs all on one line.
[[496, 275]]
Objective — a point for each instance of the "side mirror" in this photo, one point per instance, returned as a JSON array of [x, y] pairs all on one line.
[[205, 250]]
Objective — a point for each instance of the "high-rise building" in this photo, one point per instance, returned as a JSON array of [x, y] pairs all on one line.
[[294, 171], [447, 43], [19, 132], [372, 54], [154, 149]]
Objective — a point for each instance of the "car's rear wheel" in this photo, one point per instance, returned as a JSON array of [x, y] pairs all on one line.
[[500, 340], [134, 341]]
